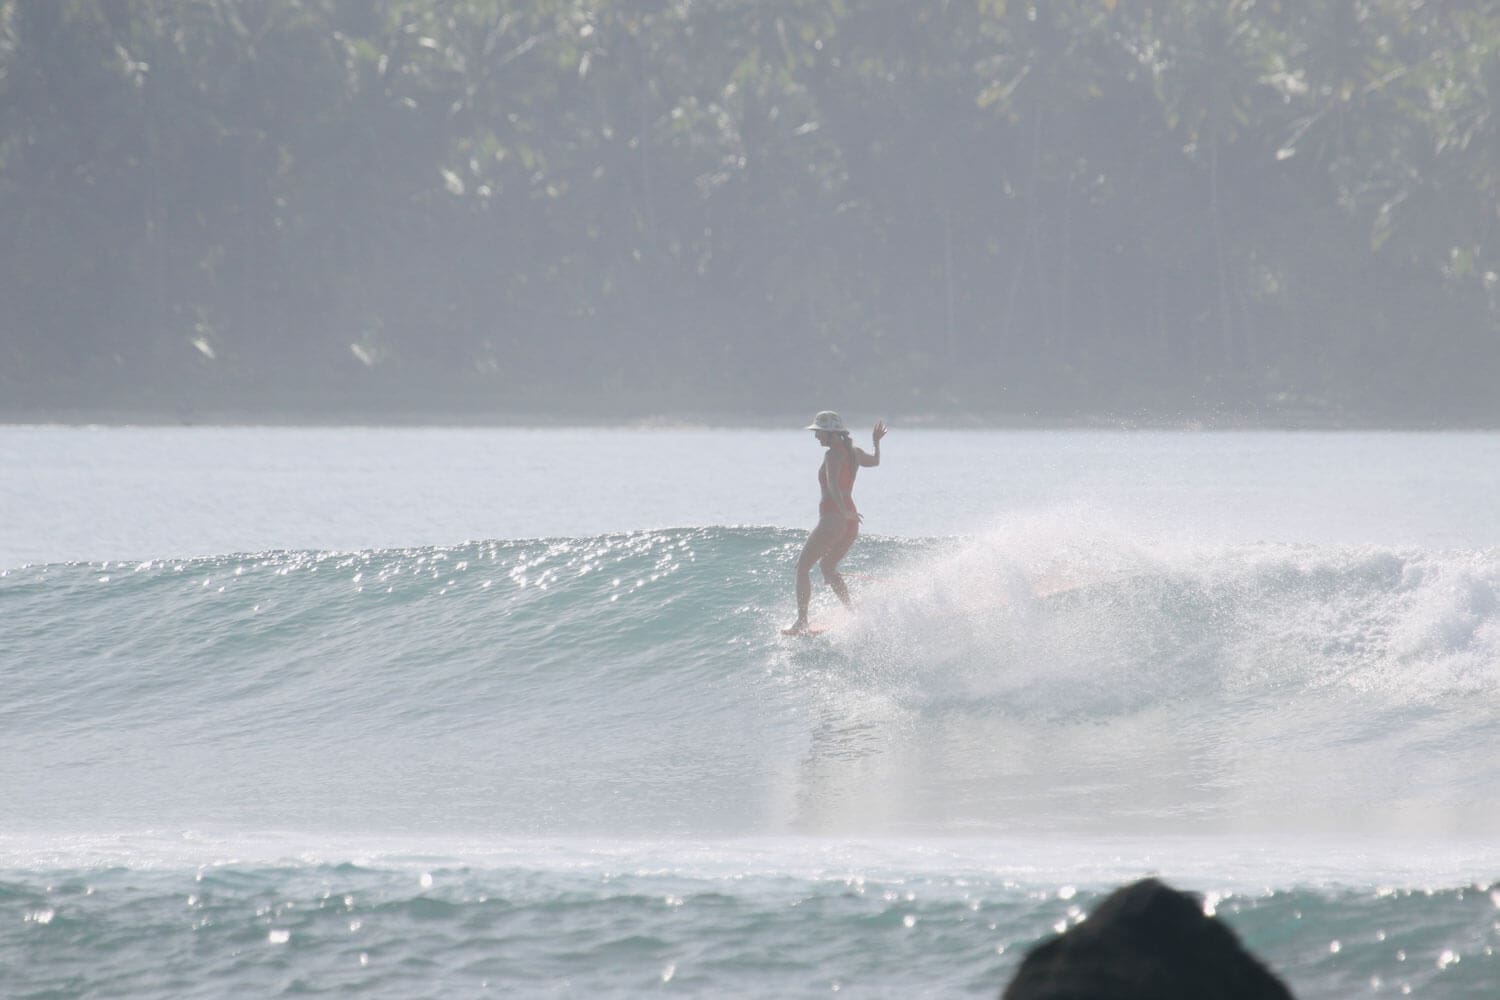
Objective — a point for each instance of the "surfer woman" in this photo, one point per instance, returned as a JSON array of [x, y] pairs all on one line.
[[838, 521]]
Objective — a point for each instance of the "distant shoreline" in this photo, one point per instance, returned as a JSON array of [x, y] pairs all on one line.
[[115, 417]]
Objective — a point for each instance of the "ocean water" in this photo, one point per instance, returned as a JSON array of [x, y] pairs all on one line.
[[507, 712]]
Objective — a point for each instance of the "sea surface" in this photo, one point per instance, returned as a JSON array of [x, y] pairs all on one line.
[[507, 712]]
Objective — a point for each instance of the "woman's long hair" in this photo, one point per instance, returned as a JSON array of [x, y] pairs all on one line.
[[849, 454]]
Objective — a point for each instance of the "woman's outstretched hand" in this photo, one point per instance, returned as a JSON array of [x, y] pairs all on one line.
[[879, 431]]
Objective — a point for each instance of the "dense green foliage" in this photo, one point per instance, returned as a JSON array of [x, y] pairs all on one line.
[[1199, 207]]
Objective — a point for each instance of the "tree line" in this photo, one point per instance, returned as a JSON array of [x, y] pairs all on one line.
[[1160, 208]]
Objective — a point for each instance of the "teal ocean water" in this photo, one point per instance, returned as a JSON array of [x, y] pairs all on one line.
[[588, 763]]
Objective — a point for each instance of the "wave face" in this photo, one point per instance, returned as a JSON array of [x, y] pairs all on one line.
[[1041, 678]]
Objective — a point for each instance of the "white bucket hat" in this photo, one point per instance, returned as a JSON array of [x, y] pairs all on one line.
[[828, 421]]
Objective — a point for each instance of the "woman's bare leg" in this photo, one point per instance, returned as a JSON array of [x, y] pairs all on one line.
[[830, 563], [819, 541]]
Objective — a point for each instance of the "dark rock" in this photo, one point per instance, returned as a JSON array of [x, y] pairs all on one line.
[[1146, 941]]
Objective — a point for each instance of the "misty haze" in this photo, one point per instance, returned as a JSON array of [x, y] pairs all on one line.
[[1265, 213], [749, 498]]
